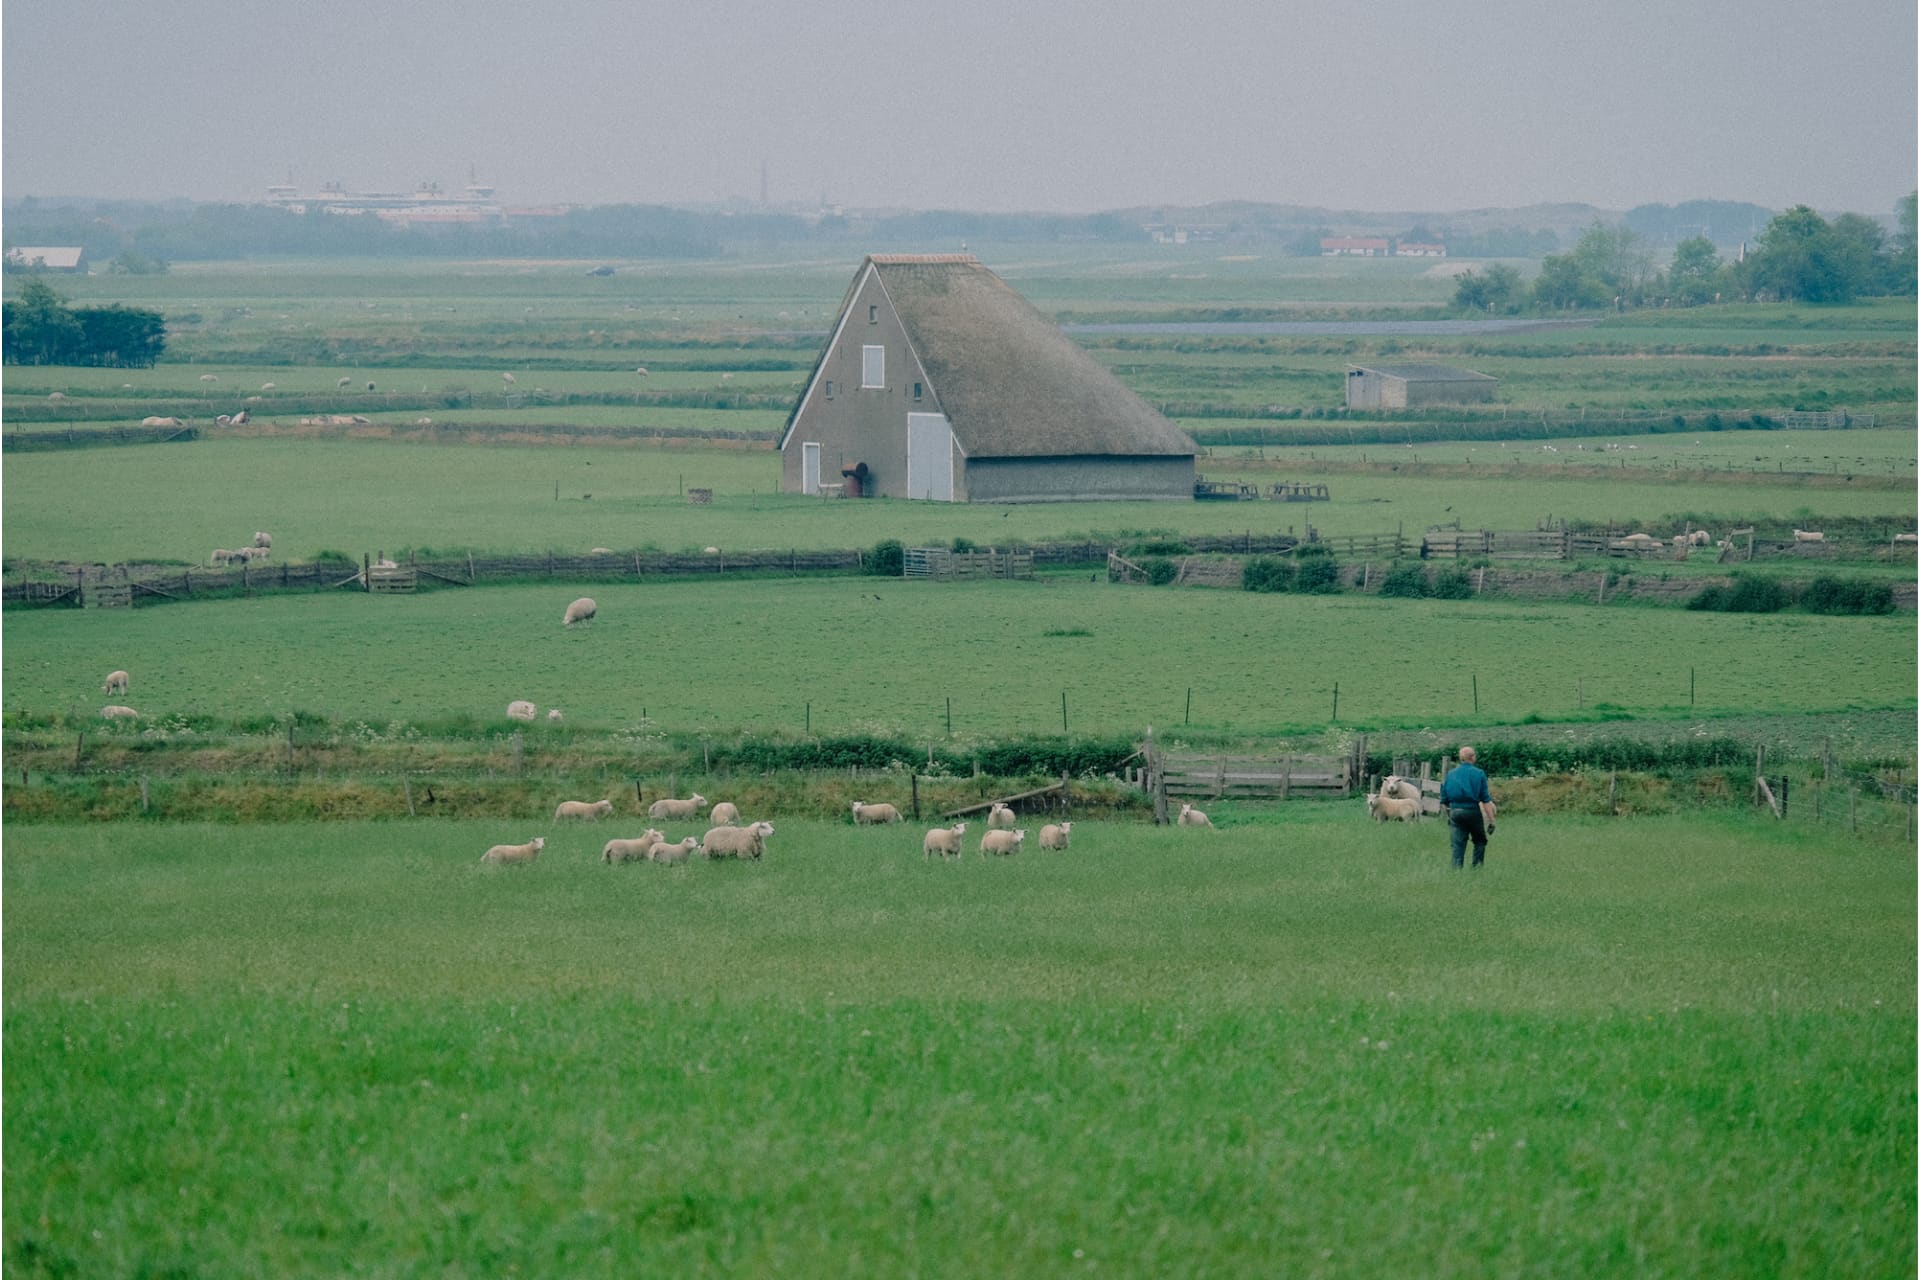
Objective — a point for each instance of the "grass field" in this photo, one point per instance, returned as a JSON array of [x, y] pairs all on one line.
[[1675, 1047], [752, 655]]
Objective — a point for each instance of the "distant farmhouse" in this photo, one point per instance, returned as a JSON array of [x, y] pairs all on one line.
[[1408, 386], [1354, 247], [36, 258], [940, 382], [1415, 249]]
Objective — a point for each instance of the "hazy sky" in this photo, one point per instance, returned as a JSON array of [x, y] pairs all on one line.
[[986, 104]]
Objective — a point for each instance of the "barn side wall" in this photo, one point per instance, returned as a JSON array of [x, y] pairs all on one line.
[[1093, 478], [1476, 391]]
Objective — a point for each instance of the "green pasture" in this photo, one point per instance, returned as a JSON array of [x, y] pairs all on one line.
[[1291, 1046], [886, 656]]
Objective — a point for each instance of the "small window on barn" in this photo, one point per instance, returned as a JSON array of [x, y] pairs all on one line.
[[873, 313], [918, 391], [829, 388], [873, 366]]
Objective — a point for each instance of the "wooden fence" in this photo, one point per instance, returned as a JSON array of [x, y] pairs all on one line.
[[89, 437], [1231, 776], [942, 564]]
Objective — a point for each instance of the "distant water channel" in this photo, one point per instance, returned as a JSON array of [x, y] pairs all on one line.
[[1332, 328]]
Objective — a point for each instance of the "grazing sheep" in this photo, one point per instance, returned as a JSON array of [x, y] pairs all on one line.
[[222, 555], [867, 815], [521, 709], [119, 713], [678, 809], [262, 539], [601, 551], [725, 814], [1682, 544], [510, 853], [634, 850], [736, 842], [581, 610], [1003, 842], [1192, 817], [1700, 537], [1396, 787], [1056, 835], [1809, 535], [161, 422], [1905, 539], [674, 852], [591, 810], [1384, 808], [116, 682], [1000, 816], [944, 841], [553, 713]]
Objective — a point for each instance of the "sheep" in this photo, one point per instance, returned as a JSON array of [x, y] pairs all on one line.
[[161, 422], [1385, 808], [581, 610], [1192, 817], [1396, 787], [221, 555], [601, 551], [554, 714], [262, 539], [344, 382], [1700, 537], [724, 814], [591, 810], [1002, 841], [674, 852], [508, 378], [1905, 539], [502, 854], [736, 842], [635, 850], [119, 713], [944, 841], [1056, 835], [1000, 816], [866, 815], [678, 809], [1809, 535], [1681, 546], [116, 682], [520, 709]]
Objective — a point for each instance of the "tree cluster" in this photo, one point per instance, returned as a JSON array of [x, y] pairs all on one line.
[[39, 327]]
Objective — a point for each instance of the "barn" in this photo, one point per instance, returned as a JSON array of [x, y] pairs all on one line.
[[1408, 386], [940, 382], [66, 258]]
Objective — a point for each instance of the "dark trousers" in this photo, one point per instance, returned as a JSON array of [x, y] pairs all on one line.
[[1462, 823]]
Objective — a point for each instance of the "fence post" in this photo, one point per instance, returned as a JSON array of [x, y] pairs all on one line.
[[519, 755], [916, 795], [406, 785]]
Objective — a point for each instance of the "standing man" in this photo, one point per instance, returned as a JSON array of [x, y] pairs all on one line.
[[1469, 808]]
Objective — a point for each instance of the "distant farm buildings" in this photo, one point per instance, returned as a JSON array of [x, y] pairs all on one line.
[[41, 258], [941, 383], [1408, 386], [1378, 247]]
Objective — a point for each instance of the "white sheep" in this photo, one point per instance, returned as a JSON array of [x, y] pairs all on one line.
[[601, 551], [521, 709], [1002, 841], [1396, 787], [944, 841], [222, 555], [1192, 817], [119, 713], [724, 814], [1905, 539], [680, 809], [1809, 535], [507, 853], [673, 852], [591, 810], [1700, 537], [736, 842], [867, 815], [116, 682], [1000, 816], [1055, 835], [581, 610], [1682, 544], [634, 850], [1384, 808], [262, 539], [553, 714]]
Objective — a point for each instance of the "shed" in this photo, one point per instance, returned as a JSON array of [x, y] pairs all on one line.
[[46, 258], [1408, 386], [951, 387]]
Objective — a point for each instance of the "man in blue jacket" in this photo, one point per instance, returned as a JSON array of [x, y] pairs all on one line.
[[1469, 808]]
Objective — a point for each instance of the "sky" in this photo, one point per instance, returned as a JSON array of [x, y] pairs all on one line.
[[987, 105]]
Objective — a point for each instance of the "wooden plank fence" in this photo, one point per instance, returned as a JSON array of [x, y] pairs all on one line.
[[942, 564], [1236, 777]]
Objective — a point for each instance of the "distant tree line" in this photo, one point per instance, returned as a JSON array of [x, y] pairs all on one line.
[[39, 327], [1799, 257]]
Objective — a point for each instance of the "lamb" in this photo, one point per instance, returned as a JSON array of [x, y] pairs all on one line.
[[736, 842], [675, 852], [502, 854], [1056, 835], [1192, 817], [553, 714], [262, 539], [1385, 808], [1395, 787], [1003, 842], [520, 709], [1809, 535], [591, 810], [944, 841], [724, 814], [116, 682], [581, 610], [679, 809], [119, 713], [867, 815], [635, 850], [1000, 816]]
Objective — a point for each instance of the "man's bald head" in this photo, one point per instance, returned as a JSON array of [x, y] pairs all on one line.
[[1467, 755]]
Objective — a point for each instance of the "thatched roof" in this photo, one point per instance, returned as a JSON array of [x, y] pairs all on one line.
[[1010, 382]]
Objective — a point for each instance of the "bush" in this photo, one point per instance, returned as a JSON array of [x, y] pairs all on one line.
[[1163, 547], [1267, 574], [1408, 582], [1452, 584], [1318, 576], [1827, 594], [888, 559], [1159, 571]]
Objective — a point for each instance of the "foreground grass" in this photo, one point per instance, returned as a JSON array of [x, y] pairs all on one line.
[[1664, 1048]]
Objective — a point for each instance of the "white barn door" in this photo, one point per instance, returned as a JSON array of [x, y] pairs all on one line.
[[929, 457], [810, 470]]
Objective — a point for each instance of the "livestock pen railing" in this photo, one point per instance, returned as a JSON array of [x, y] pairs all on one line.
[[941, 563]]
